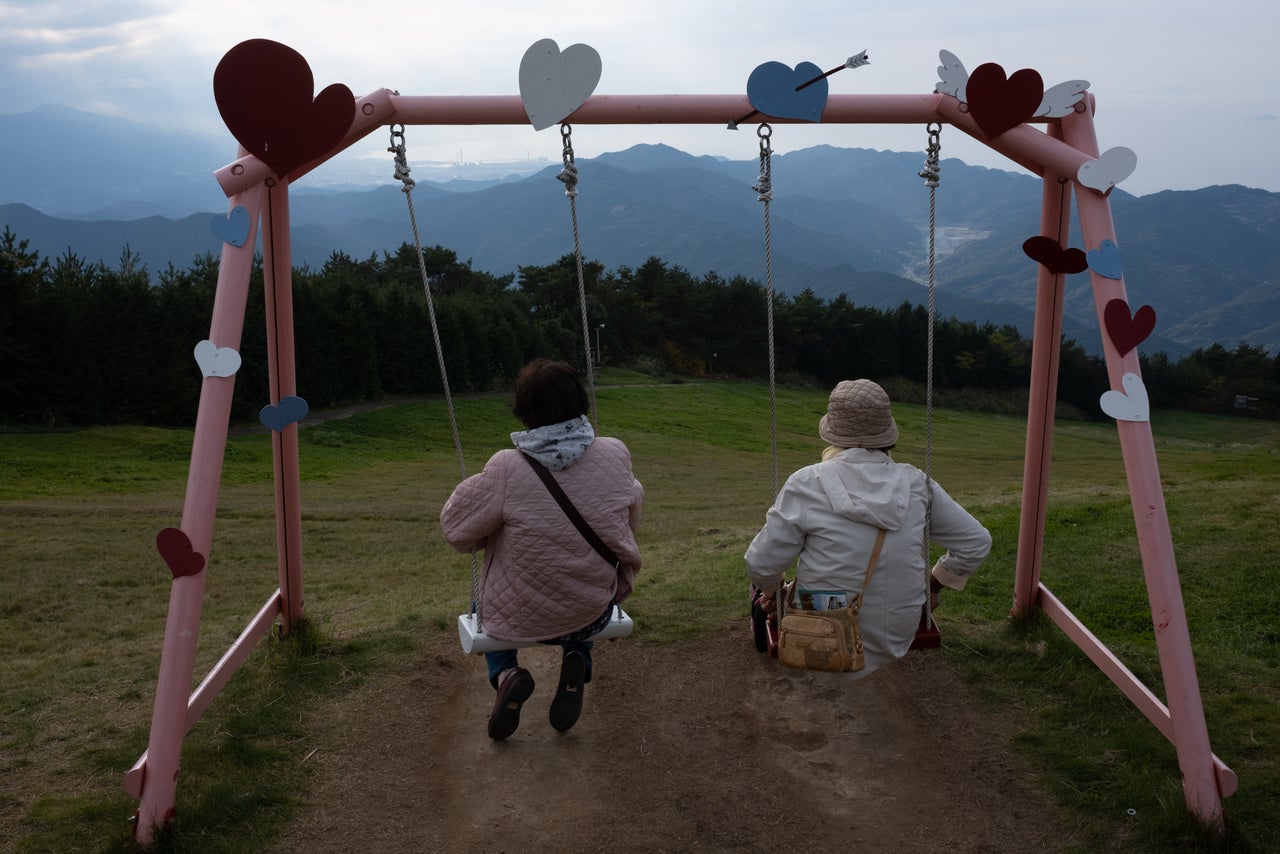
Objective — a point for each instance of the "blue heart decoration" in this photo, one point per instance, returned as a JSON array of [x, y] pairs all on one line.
[[773, 89], [1105, 260], [280, 415], [234, 227]]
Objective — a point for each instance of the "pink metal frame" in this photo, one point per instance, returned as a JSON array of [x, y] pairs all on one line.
[[1055, 153]]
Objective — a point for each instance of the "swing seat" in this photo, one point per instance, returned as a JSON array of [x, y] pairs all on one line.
[[928, 636], [475, 641]]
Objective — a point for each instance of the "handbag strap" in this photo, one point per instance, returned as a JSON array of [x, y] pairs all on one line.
[[574, 516], [871, 564]]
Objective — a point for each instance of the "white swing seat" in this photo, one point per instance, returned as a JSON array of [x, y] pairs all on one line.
[[474, 640]]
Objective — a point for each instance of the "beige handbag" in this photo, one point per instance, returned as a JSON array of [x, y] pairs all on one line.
[[823, 640]]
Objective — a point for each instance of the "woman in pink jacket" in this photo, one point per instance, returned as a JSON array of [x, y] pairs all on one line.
[[542, 581]]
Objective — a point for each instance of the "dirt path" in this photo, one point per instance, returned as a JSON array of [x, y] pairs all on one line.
[[701, 747]]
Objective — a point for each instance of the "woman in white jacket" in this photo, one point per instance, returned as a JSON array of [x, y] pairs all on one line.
[[827, 516]]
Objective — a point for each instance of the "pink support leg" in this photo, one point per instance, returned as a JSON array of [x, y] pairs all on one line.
[[1055, 210], [1155, 540], [277, 268], [159, 772]]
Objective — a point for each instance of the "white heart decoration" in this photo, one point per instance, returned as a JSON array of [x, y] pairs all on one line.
[[216, 361], [1112, 167], [554, 83], [1130, 405]]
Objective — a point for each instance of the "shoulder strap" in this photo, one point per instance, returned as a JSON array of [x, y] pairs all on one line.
[[871, 564], [574, 516]]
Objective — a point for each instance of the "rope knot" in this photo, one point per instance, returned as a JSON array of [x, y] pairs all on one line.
[[401, 169], [764, 184], [402, 173], [764, 189], [569, 177]]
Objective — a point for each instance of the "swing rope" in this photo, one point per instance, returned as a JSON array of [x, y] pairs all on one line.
[[764, 193], [930, 174], [402, 174], [569, 177]]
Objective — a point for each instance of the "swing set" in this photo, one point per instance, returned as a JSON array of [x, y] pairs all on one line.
[[265, 94]]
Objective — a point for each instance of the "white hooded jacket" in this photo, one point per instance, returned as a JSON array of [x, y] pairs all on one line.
[[826, 518]]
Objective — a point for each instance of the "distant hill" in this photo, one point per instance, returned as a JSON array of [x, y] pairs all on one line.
[[1207, 261], [69, 163], [847, 221]]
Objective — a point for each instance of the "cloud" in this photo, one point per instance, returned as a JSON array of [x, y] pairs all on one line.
[[43, 34], [153, 61], [81, 54]]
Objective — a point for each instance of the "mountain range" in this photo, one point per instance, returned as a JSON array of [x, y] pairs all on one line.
[[841, 220]]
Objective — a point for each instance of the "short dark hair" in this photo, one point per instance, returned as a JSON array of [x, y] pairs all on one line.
[[548, 392]]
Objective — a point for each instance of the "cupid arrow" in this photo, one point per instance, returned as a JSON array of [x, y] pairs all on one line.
[[856, 61]]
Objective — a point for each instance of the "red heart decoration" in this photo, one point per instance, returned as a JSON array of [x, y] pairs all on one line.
[[177, 552], [263, 90], [997, 104], [1128, 332], [1055, 259]]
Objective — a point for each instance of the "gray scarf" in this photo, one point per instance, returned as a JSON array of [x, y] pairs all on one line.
[[557, 446]]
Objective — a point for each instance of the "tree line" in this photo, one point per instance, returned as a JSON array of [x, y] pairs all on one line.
[[85, 344]]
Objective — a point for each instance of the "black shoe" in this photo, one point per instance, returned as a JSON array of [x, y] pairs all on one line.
[[512, 692], [567, 705]]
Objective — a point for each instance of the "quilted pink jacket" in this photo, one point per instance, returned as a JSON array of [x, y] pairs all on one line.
[[541, 579]]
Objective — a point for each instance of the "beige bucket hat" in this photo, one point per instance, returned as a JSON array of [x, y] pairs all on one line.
[[858, 416]]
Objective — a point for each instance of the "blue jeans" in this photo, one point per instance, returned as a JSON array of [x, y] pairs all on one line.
[[579, 641]]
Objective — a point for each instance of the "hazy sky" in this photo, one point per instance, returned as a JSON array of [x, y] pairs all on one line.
[[1180, 83]]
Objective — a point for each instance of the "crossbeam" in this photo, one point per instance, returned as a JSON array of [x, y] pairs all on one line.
[[1030, 148]]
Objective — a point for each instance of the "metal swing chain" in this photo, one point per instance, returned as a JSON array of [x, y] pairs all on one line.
[[930, 174], [397, 148], [569, 177], [764, 193]]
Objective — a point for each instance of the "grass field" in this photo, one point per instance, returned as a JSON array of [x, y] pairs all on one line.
[[83, 597]]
